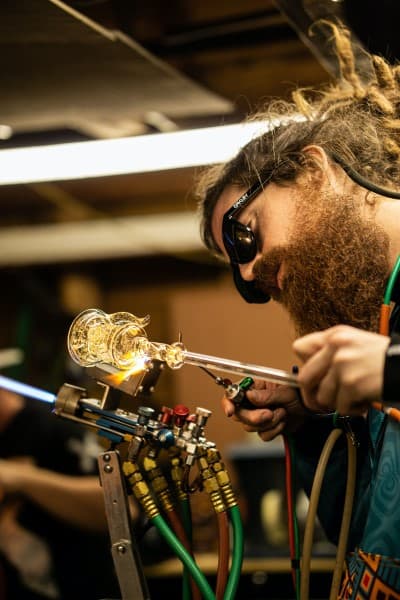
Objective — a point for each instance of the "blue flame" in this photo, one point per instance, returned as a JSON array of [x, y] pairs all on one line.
[[26, 390]]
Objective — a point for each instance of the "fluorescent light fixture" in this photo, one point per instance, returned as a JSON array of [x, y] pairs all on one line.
[[140, 154], [141, 235]]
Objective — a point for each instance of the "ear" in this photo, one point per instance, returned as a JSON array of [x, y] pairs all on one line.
[[317, 155], [322, 167]]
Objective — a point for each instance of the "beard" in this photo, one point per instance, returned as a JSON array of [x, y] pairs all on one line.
[[336, 265]]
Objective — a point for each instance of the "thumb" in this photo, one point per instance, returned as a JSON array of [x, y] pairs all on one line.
[[309, 344]]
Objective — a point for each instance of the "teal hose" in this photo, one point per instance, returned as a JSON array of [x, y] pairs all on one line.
[[184, 556], [237, 555], [392, 280], [187, 517]]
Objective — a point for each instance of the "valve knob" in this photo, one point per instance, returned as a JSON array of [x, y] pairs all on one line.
[[145, 413], [202, 415], [181, 413], [166, 438], [166, 414]]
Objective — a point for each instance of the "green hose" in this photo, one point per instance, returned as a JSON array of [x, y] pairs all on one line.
[[184, 556], [187, 524], [237, 555], [391, 282], [187, 517]]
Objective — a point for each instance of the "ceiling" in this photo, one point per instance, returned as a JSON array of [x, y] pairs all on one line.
[[90, 69]]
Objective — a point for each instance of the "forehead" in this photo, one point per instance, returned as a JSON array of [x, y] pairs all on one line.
[[225, 201]]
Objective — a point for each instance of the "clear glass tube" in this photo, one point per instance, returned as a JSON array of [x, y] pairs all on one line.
[[240, 368]]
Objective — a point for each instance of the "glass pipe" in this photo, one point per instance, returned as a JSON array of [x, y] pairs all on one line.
[[240, 368], [120, 339]]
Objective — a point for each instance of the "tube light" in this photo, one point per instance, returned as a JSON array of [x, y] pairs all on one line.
[[139, 154]]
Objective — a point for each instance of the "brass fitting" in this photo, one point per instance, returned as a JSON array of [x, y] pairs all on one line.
[[158, 483], [140, 489], [222, 477], [177, 477], [211, 484]]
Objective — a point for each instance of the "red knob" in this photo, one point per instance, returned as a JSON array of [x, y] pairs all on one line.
[[181, 413], [166, 415]]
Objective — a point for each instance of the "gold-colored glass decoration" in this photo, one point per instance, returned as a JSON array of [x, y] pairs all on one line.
[[118, 339]]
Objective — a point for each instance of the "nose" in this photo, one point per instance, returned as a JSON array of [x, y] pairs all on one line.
[[246, 270]]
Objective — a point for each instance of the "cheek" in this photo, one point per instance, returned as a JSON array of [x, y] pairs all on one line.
[[278, 217], [276, 233]]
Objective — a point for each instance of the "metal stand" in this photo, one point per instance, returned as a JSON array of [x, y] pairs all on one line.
[[124, 550]]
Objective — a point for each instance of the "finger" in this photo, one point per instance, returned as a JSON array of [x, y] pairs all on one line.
[[260, 384], [309, 344], [349, 404], [257, 418], [327, 394], [265, 419], [277, 395], [345, 407], [271, 434], [253, 424], [228, 407], [259, 397], [313, 371]]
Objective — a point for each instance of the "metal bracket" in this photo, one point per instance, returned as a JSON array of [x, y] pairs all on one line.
[[124, 550]]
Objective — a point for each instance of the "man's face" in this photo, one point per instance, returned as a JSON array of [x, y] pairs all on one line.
[[325, 262]]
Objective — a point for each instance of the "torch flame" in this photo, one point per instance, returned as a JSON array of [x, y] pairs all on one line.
[[139, 366]]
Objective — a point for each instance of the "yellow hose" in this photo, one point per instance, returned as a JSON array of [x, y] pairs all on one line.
[[312, 512], [346, 518]]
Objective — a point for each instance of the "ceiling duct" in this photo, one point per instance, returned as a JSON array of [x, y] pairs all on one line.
[[61, 70]]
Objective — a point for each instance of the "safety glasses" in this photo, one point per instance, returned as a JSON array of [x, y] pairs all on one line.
[[239, 240]]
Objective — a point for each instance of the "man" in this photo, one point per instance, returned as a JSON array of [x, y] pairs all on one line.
[[306, 214]]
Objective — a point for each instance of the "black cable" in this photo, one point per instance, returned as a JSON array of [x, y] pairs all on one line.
[[365, 183]]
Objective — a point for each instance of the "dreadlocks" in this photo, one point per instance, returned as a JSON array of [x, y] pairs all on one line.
[[356, 120]]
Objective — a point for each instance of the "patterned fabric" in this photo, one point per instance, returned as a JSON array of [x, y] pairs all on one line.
[[371, 577]]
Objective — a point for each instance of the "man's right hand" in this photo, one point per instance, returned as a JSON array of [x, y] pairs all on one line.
[[277, 408]]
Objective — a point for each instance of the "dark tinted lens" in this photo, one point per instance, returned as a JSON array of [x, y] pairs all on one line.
[[239, 241], [248, 289]]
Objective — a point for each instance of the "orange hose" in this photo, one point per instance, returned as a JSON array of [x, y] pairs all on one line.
[[384, 319], [393, 413], [180, 532]]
